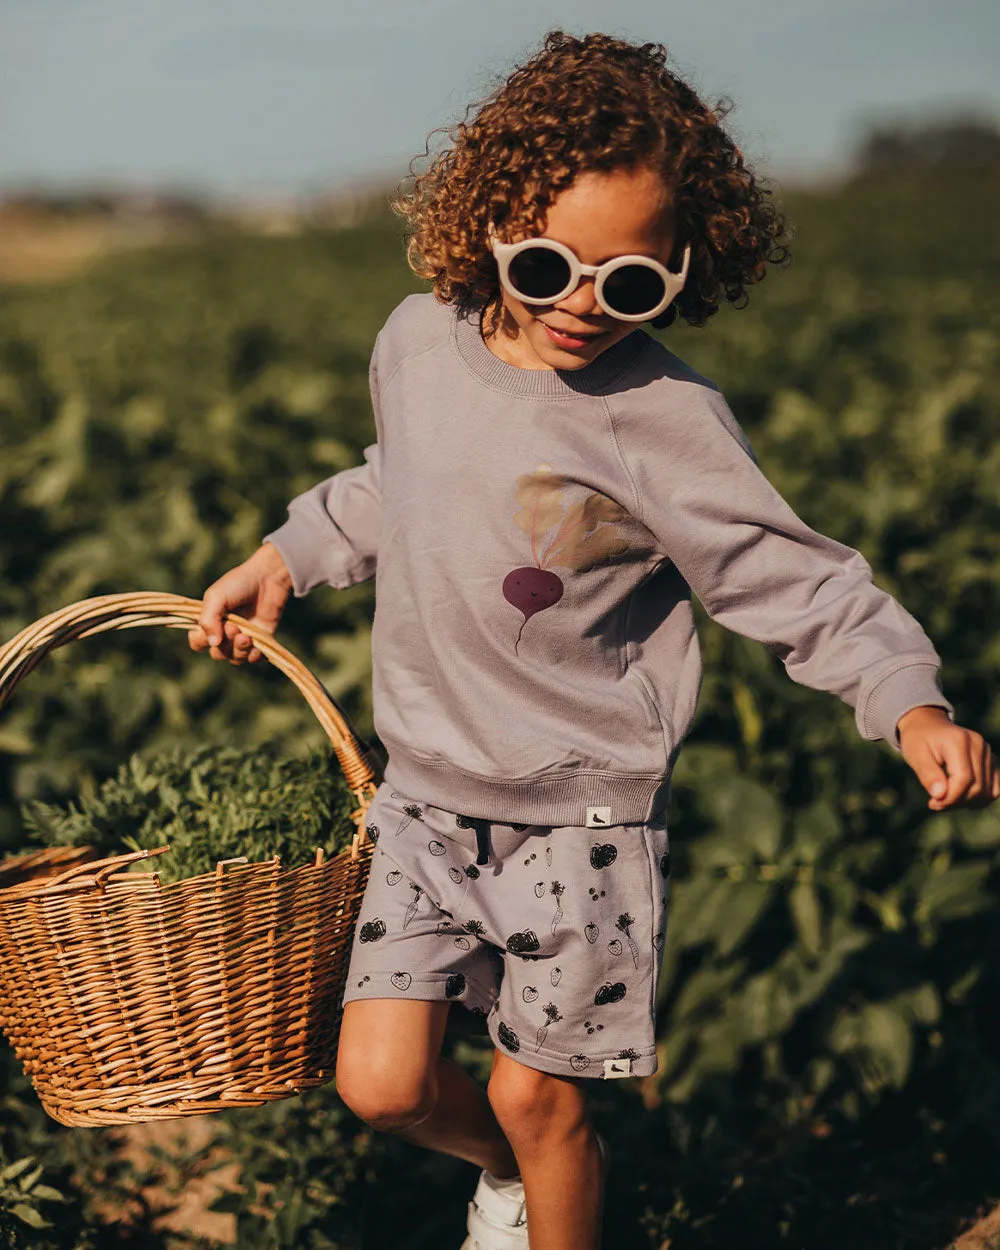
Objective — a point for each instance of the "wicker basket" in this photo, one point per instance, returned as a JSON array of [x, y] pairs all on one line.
[[128, 1001]]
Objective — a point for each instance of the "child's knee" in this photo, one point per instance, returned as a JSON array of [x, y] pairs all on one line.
[[387, 1099], [389, 1106], [530, 1103]]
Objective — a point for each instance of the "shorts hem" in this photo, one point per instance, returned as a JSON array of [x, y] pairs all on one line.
[[481, 998], [551, 1061]]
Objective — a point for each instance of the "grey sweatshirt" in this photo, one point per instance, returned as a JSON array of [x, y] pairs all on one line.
[[535, 537]]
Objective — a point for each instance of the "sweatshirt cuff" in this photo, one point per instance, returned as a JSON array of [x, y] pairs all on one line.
[[307, 559], [915, 685]]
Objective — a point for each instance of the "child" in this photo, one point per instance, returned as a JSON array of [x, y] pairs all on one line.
[[548, 486]]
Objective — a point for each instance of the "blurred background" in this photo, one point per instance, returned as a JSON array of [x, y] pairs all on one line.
[[195, 258]]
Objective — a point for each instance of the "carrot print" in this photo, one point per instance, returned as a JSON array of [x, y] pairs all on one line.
[[556, 890], [624, 922], [551, 1016], [411, 911], [413, 812]]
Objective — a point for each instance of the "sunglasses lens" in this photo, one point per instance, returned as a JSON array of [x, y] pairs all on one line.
[[538, 273], [633, 290]]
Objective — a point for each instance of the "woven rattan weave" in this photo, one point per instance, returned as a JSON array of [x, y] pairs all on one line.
[[126, 1000]]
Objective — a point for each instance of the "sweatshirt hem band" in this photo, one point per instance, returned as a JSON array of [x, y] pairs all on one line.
[[552, 801]]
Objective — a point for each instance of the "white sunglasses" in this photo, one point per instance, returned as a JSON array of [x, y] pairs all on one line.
[[630, 288]]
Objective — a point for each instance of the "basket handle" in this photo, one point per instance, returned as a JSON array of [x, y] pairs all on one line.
[[104, 867], [26, 650]]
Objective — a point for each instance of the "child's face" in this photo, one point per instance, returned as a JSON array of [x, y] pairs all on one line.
[[599, 216]]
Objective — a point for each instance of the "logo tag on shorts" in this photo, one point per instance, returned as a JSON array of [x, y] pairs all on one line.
[[598, 817], [617, 1067]]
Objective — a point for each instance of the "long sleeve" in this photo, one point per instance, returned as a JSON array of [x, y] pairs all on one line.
[[759, 570], [331, 535]]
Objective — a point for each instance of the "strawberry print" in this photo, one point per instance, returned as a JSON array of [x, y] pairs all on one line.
[[393, 877], [401, 980], [579, 1063], [529, 993]]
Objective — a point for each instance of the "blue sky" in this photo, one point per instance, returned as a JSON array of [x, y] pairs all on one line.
[[272, 97]]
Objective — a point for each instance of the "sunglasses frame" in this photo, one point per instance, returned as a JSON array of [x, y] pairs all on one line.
[[673, 283]]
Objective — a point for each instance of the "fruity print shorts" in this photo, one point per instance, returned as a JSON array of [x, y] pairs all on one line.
[[557, 939]]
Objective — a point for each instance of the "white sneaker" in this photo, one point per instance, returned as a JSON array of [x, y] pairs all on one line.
[[497, 1218]]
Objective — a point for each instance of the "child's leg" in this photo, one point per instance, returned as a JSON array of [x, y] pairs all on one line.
[[545, 1118], [391, 1074]]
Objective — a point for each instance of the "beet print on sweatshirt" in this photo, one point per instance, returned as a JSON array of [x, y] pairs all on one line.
[[574, 536], [535, 707]]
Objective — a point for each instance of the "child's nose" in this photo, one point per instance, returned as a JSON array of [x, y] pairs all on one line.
[[582, 302]]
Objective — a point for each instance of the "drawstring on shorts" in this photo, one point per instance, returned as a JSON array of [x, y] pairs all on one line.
[[482, 842]]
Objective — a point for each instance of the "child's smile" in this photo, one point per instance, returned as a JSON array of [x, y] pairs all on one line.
[[600, 215]]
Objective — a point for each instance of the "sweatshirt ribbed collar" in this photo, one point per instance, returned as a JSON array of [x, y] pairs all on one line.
[[592, 379]]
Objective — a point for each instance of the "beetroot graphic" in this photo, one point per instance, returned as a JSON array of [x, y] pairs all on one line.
[[582, 536], [530, 591], [454, 986], [603, 855], [372, 831], [372, 931], [508, 1037], [471, 871], [523, 942], [609, 993]]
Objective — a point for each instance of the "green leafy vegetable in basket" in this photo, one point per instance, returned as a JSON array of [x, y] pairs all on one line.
[[209, 803]]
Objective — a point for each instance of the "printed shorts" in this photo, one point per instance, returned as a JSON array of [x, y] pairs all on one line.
[[557, 940]]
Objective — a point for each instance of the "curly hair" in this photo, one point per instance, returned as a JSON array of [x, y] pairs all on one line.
[[578, 105]]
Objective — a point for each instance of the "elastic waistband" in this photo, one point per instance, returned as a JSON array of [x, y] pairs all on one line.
[[547, 800]]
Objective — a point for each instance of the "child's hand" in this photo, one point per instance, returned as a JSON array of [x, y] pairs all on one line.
[[955, 766], [257, 590]]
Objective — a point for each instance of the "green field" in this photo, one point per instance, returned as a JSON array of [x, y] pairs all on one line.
[[829, 1040]]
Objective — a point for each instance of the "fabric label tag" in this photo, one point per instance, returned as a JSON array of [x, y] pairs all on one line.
[[617, 1067], [598, 817]]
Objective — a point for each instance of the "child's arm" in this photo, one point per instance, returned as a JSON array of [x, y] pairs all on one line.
[[759, 570], [331, 535]]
